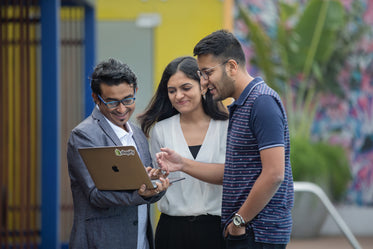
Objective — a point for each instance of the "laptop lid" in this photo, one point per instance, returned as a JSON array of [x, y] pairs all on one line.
[[115, 167]]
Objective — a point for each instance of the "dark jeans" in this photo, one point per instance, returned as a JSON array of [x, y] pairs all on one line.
[[247, 241], [189, 232]]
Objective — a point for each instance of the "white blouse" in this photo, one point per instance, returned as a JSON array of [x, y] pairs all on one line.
[[191, 196]]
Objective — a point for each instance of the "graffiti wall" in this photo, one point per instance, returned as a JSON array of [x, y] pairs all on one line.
[[345, 118]]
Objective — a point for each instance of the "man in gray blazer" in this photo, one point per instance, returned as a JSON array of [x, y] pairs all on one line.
[[110, 219]]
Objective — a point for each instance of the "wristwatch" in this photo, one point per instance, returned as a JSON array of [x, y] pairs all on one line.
[[238, 221]]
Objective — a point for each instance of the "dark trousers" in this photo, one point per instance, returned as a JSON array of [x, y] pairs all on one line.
[[247, 241], [189, 232]]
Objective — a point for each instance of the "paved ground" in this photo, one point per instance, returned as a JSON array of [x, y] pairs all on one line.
[[329, 243]]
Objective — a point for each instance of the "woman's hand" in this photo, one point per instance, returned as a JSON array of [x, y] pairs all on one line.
[[168, 160], [156, 173]]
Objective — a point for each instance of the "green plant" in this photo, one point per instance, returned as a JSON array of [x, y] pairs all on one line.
[[293, 62], [322, 163], [304, 59]]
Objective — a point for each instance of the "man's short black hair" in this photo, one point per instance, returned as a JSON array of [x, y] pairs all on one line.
[[222, 44], [112, 72]]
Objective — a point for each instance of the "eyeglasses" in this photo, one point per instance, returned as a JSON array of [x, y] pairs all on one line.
[[113, 104], [207, 72]]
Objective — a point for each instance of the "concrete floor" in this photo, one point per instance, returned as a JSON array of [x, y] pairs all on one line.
[[329, 243]]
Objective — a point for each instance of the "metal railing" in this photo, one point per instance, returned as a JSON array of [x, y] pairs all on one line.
[[315, 189]]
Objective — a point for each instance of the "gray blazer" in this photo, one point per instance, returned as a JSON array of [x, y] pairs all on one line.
[[103, 219]]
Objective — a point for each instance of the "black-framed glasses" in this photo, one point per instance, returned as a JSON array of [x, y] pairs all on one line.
[[207, 72], [113, 104]]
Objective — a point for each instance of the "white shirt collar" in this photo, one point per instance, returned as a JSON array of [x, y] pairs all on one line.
[[121, 133]]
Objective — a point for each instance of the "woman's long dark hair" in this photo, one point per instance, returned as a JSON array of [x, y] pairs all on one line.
[[160, 106]]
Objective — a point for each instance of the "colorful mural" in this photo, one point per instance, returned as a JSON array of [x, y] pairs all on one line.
[[345, 118]]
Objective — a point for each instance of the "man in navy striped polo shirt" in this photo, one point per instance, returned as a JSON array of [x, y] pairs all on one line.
[[258, 189]]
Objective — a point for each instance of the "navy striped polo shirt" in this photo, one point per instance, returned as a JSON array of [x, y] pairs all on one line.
[[243, 165]]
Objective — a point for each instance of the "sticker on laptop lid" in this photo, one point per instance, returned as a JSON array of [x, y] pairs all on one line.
[[128, 152]]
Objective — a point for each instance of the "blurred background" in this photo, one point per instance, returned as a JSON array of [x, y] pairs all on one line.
[[318, 54]]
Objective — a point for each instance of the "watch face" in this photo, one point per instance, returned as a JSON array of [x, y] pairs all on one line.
[[236, 221]]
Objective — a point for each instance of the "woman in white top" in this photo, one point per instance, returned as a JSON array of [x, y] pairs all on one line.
[[180, 117]]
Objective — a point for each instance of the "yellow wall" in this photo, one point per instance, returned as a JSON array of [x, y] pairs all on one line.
[[183, 24]]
